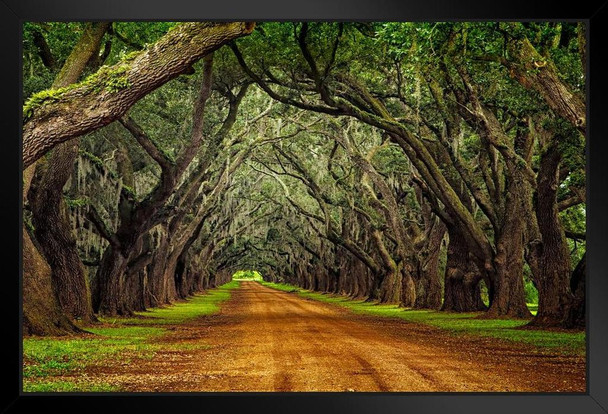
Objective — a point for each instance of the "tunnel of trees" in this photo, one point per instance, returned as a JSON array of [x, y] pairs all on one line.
[[433, 165]]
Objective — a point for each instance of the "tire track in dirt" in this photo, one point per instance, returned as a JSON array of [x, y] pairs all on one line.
[[348, 332], [356, 333]]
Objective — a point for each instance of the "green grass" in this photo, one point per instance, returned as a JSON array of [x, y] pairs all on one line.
[[126, 338], [198, 305], [58, 356], [68, 386], [533, 308], [456, 323]]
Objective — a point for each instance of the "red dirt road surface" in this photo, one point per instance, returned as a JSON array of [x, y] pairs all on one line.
[[267, 340]]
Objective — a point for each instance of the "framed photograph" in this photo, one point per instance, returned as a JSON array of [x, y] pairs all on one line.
[[321, 206]]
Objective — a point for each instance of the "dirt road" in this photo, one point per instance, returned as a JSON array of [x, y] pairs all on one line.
[[266, 340]]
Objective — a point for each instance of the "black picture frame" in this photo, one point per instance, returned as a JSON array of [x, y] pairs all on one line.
[[14, 12]]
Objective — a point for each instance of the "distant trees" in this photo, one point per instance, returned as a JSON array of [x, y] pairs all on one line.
[[247, 275]]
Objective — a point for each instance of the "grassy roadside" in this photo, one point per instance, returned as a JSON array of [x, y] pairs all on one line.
[[58, 363], [456, 323]]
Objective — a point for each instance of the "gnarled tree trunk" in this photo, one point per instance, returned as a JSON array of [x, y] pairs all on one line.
[[41, 311], [110, 296], [428, 283], [54, 234], [507, 282], [462, 292], [553, 267]]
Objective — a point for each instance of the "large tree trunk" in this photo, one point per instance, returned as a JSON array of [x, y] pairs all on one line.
[[54, 234], [462, 292], [409, 293], [156, 293], [387, 285], [136, 276], [428, 282], [169, 280], [507, 282], [135, 285], [41, 312], [508, 297], [92, 105], [110, 295], [181, 280], [552, 257], [333, 278]]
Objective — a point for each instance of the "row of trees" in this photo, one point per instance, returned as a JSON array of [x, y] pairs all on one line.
[[406, 163], [132, 209]]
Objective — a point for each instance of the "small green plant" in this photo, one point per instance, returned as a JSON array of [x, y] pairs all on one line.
[[76, 202], [40, 98], [116, 84]]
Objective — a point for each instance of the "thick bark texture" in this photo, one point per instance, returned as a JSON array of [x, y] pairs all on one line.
[[54, 234], [507, 282], [110, 297], [389, 286], [551, 253], [428, 283], [41, 312], [157, 286], [92, 104], [462, 292]]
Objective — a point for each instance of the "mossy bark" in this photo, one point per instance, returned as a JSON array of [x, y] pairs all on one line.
[[551, 254], [90, 106], [539, 73]]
